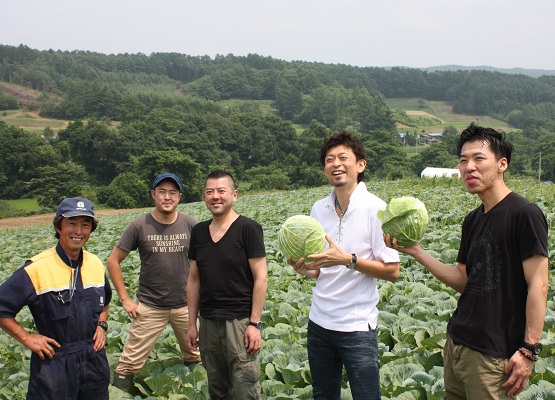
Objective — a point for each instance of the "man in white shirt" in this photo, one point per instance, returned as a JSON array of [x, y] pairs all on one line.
[[343, 315]]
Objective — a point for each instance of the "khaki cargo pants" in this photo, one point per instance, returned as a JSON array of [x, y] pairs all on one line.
[[146, 329], [232, 372]]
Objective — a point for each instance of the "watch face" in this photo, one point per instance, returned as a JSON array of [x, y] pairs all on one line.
[[537, 349]]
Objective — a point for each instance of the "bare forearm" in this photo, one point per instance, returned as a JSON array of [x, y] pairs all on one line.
[[12, 328], [454, 277], [536, 273], [193, 288], [114, 268], [535, 315], [378, 269], [104, 314], [116, 276], [258, 298]]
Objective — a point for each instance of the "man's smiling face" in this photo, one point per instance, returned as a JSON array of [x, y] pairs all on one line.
[[341, 166]]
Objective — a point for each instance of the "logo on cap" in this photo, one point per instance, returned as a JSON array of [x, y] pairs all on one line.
[[75, 206]]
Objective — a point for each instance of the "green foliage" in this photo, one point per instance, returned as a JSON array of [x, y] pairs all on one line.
[[127, 190], [414, 310], [93, 145], [7, 102], [435, 155], [267, 178], [21, 153], [18, 208], [7, 210], [174, 102], [152, 163], [125, 86], [52, 184]]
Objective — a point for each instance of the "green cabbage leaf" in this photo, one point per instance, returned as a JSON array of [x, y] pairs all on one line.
[[301, 235], [405, 219]]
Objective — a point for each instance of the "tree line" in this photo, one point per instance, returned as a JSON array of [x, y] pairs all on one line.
[[170, 116], [97, 85]]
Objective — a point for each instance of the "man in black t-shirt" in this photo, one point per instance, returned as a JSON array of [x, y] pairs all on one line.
[[493, 337], [227, 286]]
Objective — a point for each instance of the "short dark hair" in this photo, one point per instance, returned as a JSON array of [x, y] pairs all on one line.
[[57, 222], [348, 140], [219, 173], [497, 141]]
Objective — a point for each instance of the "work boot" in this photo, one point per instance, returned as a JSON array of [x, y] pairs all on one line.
[[123, 382]]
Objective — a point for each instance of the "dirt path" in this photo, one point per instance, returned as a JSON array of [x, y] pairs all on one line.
[[44, 219]]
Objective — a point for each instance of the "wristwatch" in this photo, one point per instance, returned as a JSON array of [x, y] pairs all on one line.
[[257, 325], [103, 325], [536, 349], [353, 262]]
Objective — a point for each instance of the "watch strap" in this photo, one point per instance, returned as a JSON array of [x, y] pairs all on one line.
[[257, 325], [535, 348], [353, 262]]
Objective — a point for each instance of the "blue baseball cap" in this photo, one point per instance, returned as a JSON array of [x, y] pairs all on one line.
[[74, 207], [167, 176]]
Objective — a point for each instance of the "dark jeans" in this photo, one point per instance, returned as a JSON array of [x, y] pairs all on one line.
[[329, 350]]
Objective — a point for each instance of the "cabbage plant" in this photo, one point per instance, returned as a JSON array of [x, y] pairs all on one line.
[[405, 219], [301, 235]]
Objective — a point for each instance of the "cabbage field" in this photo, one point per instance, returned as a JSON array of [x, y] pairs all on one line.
[[414, 310]]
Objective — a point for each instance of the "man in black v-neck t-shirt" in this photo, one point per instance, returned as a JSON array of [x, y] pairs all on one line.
[[227, 286]]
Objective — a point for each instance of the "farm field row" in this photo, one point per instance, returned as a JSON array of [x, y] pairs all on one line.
[[439, 114], [31, 121]]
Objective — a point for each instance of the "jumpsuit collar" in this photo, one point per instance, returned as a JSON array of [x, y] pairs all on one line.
[[65, 258]]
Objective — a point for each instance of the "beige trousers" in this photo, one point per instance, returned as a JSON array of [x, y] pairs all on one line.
[[471, 375], [146, 329]]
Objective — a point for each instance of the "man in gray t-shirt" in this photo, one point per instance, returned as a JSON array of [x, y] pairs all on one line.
[[162, 238]]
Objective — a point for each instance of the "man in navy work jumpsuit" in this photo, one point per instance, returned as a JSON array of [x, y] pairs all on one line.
[[68, 294]]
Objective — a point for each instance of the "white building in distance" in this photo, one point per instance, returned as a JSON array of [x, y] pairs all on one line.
[[431, 172]]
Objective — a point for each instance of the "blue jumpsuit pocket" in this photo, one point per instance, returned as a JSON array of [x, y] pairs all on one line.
[[54, 307], [51, 380]]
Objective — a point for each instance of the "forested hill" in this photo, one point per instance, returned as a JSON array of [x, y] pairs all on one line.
[[133, 115], [535, 73], [296, 87]]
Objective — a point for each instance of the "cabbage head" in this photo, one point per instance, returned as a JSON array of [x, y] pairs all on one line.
[[406, 219], [301, 235]]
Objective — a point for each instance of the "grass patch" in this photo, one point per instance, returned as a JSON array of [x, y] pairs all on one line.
[[24, 204], [28, 121], [412, 103], [442, 110]]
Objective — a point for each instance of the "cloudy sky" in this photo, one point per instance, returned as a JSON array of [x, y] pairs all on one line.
[[413, 33]]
